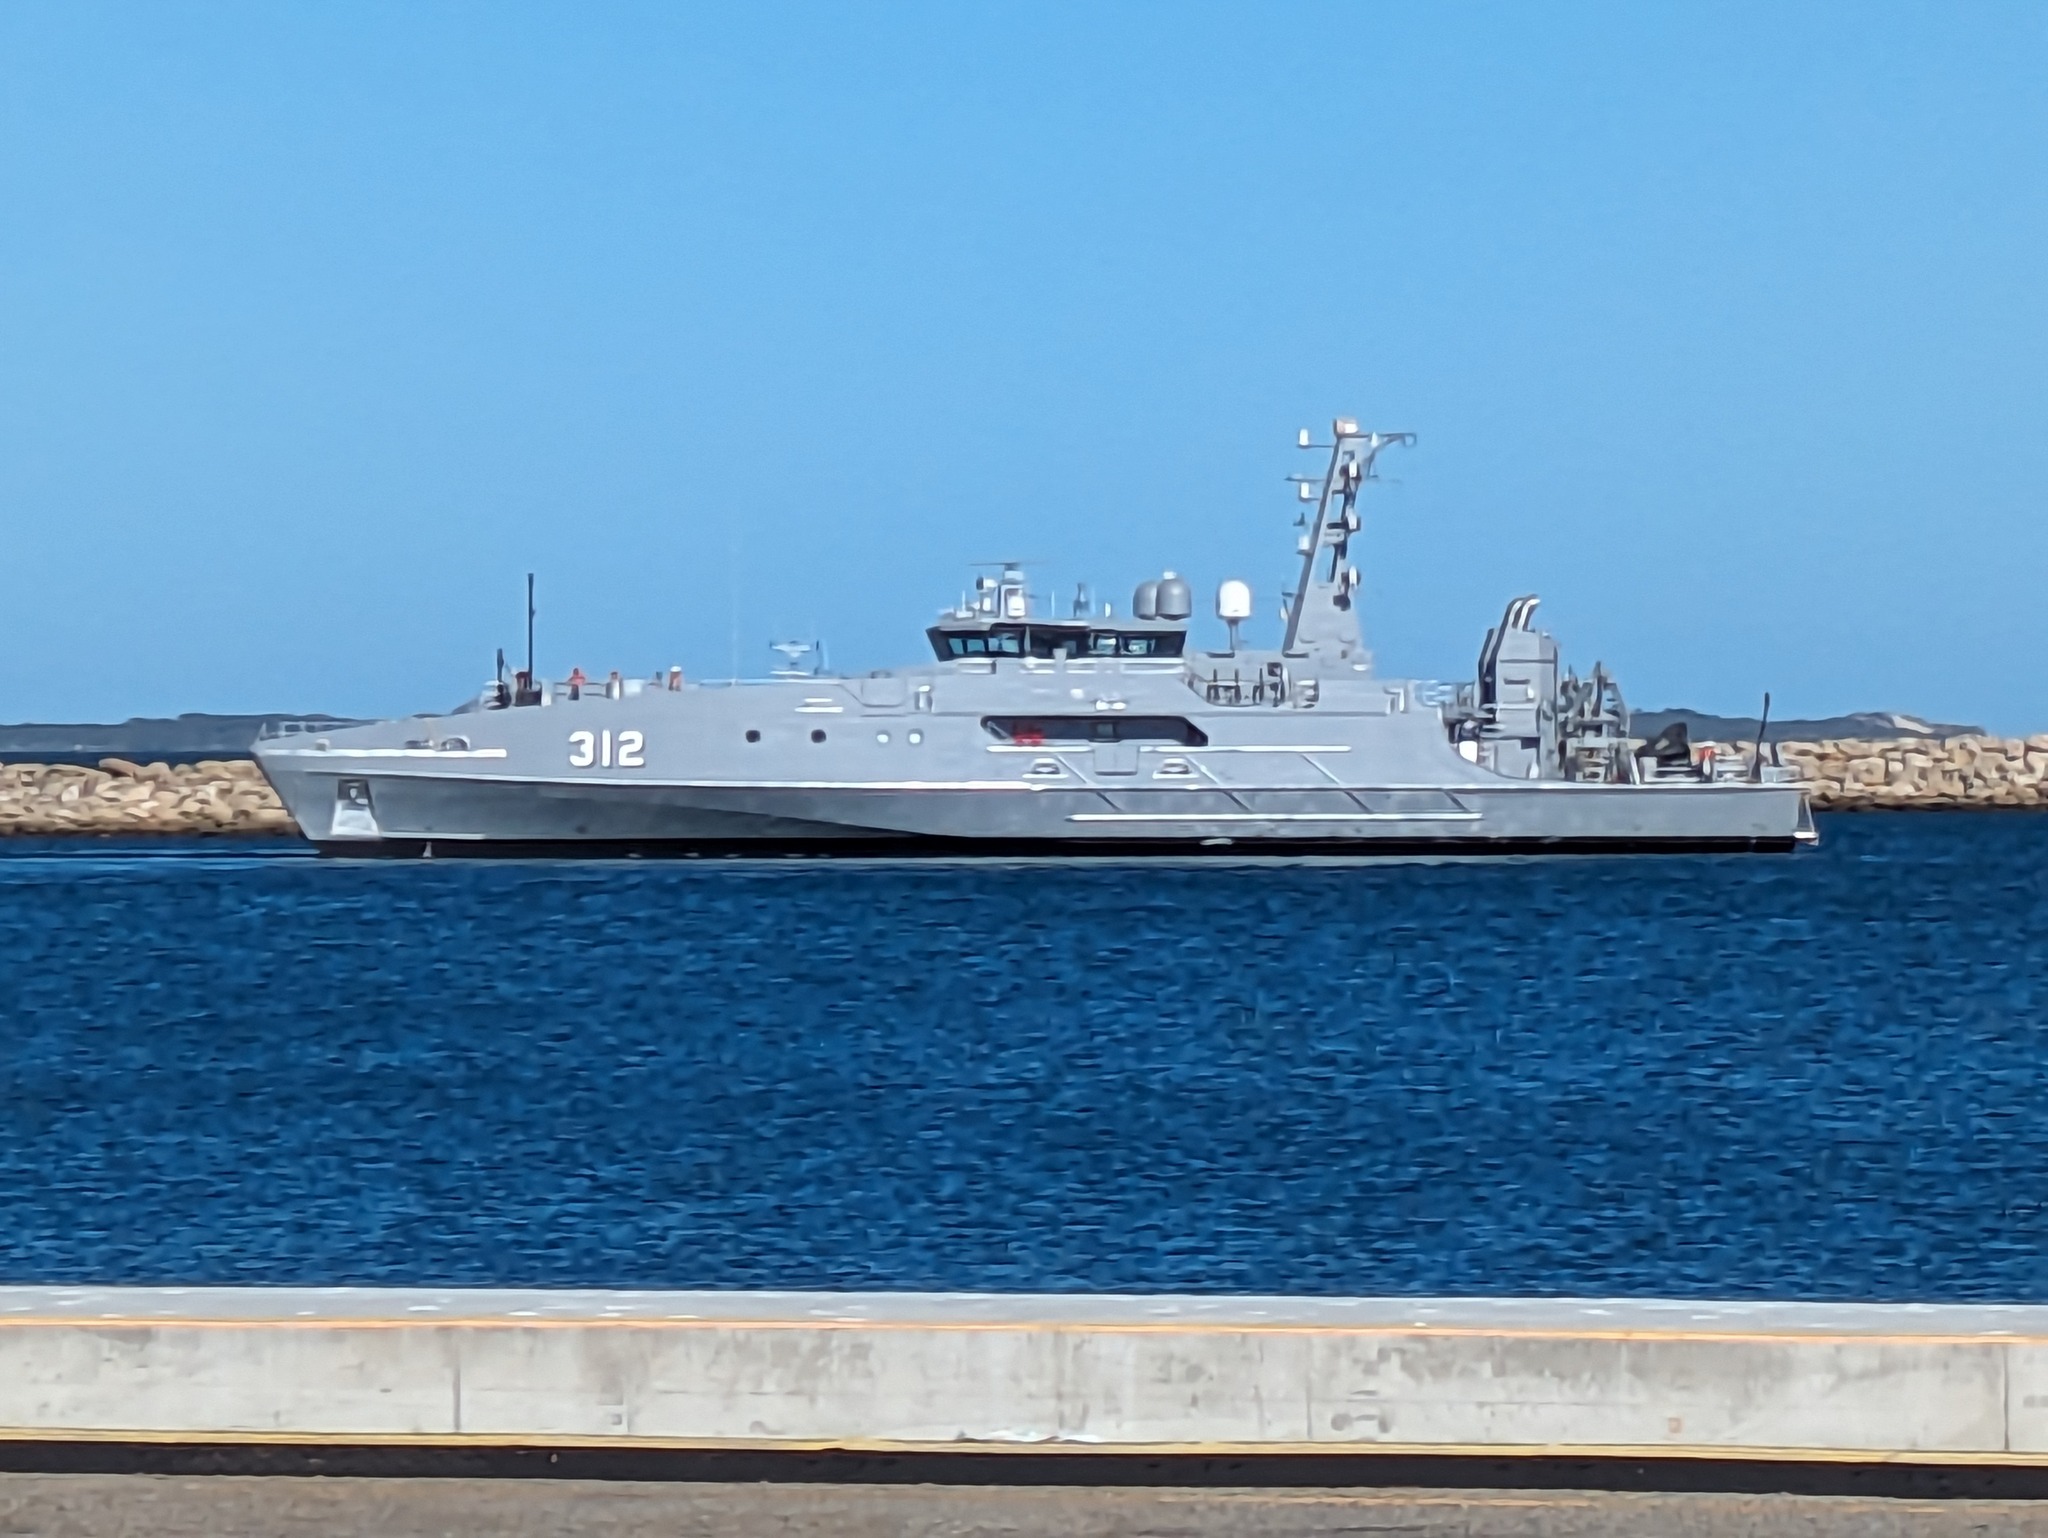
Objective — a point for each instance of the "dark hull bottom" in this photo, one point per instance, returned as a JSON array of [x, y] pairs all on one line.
[[907, 848]]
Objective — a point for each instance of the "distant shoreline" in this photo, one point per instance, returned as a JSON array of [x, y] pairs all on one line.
[[1867, 725], [186, 739]]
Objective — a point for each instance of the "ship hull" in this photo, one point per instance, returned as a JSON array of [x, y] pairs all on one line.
[[919, 848], [450, 815]]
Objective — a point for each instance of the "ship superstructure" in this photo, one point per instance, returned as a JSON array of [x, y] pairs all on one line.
[[1033, 732]]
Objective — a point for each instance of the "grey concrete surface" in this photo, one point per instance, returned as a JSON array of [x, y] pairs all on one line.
[[953, 1372], [138, 1506]]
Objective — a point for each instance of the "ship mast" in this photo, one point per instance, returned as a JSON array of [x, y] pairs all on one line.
[[1322, 618]]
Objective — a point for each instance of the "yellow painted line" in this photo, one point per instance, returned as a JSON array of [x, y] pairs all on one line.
[[152, 1436]]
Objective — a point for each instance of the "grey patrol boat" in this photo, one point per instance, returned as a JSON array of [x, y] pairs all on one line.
[[1078, 734]]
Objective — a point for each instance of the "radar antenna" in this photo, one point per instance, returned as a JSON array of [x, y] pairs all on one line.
[[793, 653], [1322, 614]]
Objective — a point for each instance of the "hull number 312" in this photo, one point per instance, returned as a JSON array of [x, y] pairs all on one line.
[[588, 749]]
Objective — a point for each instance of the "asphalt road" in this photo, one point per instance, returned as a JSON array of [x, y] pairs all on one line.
[[230, 1506]]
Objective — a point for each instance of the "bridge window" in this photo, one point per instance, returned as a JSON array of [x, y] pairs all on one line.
[[1116, 643], [981, 643], [1049, 641]]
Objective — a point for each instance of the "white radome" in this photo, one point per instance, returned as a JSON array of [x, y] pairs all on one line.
[[1234, 600]]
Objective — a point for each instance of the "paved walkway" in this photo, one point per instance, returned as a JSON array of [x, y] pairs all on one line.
[[223, 1506]]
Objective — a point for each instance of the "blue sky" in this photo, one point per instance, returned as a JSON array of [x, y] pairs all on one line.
[[1723, 328]]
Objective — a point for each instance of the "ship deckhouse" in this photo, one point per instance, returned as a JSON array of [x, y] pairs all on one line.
[[995, 620]]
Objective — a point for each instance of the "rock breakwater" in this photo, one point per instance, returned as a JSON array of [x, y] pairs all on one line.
[[119, 797], [1849, 773], [231, 796]]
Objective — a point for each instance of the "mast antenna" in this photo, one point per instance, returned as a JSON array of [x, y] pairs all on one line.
[[529, 627], [1323, 612]]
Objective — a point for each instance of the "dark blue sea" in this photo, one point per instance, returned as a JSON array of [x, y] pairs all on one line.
[[1811, 1076]]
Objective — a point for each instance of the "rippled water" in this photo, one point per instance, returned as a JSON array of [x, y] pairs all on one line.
[[1807, 1076]]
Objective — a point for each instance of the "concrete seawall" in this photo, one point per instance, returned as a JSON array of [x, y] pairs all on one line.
[[951, 1372]]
